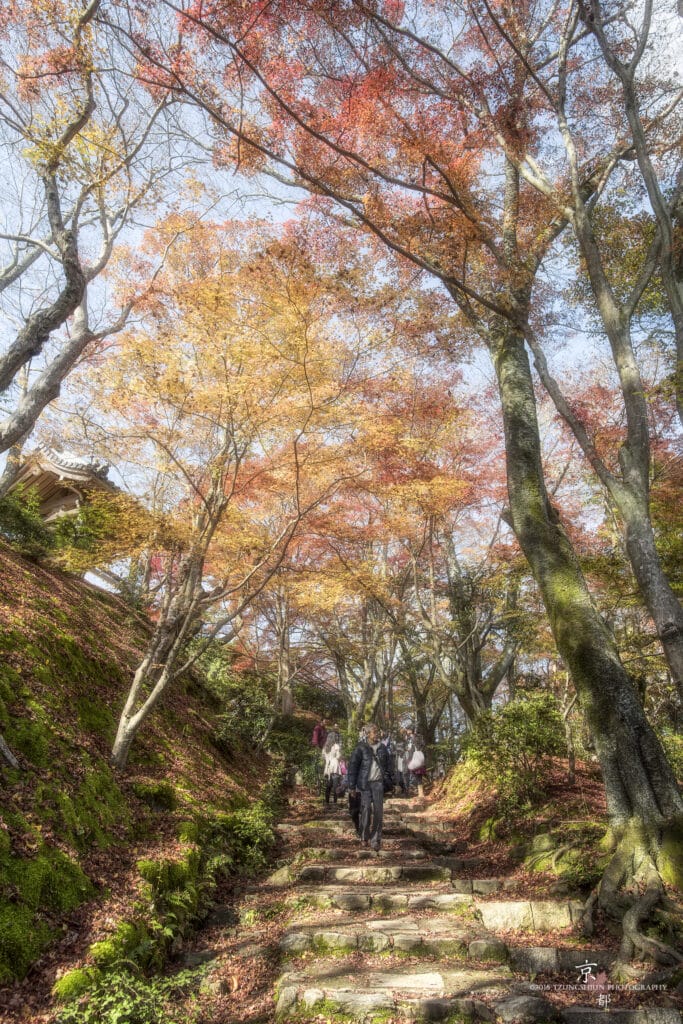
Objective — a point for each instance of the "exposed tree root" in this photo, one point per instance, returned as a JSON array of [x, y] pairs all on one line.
[[587, 922], [538, 858], [561, 850], [633, 940], [630, 890]]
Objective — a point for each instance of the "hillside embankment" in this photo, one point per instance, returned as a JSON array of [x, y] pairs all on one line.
[[98, 865]]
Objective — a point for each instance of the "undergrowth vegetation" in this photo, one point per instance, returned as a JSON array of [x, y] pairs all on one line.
[[126, 996], [512, 787], [175, 895], [243, 703], [510, 746]]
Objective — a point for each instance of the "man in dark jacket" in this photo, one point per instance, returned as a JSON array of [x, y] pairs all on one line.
[[369, 771]]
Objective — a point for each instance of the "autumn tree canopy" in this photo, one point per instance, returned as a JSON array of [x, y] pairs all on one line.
[[419, 408], [469, 144]]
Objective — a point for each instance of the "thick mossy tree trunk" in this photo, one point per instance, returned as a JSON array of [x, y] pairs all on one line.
[[643, 799], [368, 708], [474, 689]]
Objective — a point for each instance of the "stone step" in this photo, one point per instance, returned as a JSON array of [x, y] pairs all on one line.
[[363, 897], [423, 821], [530, 915], [533, 960], [423, 993], [419, 991], [313, 827], [644, 1015], [533, 916], [375, 874], [453, 936], [378, 872], [443, 936]]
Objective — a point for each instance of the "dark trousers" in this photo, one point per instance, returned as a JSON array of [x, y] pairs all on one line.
[[354, 810], [372, 812], [331, 783]]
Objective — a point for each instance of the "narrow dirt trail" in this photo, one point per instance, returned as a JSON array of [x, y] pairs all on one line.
[[339, 933]]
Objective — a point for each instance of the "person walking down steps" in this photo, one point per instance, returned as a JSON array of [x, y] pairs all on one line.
[[415, 763], [369, 774], [332, 753]]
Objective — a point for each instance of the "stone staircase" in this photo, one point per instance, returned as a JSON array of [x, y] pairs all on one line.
[[409, 935]]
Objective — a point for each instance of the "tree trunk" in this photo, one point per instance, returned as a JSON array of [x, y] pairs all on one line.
[[667, 214], [630, 492], [661, 602], [639, 782], [12, 466], [122, 744], [287, 700], [473, 701], [421, 718], [135, 713], [155, 672], [39, 325], [45, 389], [7, 754], [284, 696]]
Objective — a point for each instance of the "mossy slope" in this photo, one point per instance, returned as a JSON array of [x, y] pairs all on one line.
[[67, 652]]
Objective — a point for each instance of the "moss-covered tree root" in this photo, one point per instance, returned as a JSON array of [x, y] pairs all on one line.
[[644, 858]]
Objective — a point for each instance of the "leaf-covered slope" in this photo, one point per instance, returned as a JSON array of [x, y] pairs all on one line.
[[68, 823]]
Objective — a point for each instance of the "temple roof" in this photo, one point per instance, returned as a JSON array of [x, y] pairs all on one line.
[[61, 479], [69, 465]]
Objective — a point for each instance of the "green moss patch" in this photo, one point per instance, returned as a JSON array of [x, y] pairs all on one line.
[[159, 796], [95, 718], [47, 881], [671, 856], [22, 940], [74, 984], [572, 854]]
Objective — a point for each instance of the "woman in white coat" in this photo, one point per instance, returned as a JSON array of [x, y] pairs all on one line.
[[332, 753]]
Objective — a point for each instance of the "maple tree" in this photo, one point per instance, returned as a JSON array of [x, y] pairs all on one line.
[[432, 137], [228, 389], [368, 587], [462, 632], [433, 477], [483, 151]]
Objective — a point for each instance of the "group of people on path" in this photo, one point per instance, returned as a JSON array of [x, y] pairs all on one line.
[[377, 765]]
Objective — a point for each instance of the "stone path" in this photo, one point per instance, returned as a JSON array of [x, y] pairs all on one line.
[[410, 935]]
